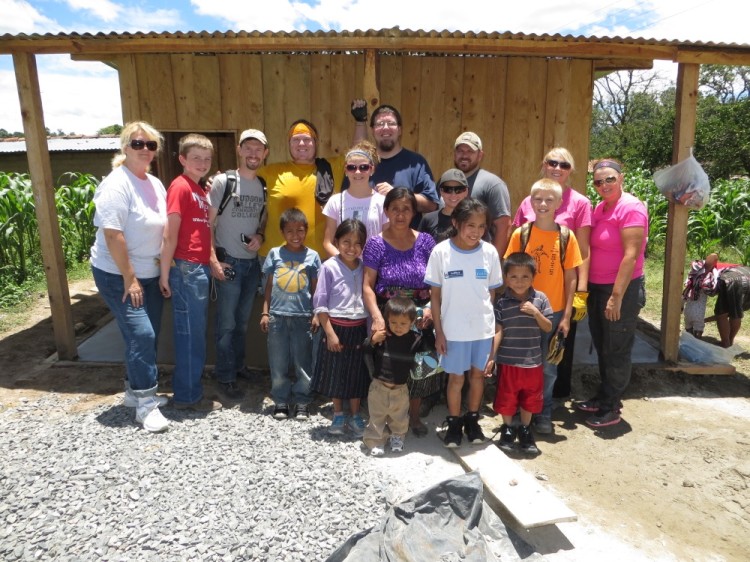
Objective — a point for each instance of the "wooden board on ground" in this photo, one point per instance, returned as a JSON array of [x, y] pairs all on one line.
[[517, 491]]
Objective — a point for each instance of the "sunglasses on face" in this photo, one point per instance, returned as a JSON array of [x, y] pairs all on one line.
[[386, 124], [141, 144], [560, 164], [361, 167], [608, 180], [452, 188]]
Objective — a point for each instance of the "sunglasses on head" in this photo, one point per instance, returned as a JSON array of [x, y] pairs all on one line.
[[453, 188], [361, 167], [141, 144], [610, 179], [558, 163]]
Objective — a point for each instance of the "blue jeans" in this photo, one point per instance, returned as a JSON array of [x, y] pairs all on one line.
[[189, 284], [139, 327], [290, 345], [550, 371], [614, 340], [233, 305]]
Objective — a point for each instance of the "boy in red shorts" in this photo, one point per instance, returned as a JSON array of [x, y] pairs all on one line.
[[521, 315]]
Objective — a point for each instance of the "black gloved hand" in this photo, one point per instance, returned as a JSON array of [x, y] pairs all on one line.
[[359, 113]]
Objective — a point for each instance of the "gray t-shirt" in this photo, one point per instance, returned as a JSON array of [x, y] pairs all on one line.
[[241, 214], [491, 191]]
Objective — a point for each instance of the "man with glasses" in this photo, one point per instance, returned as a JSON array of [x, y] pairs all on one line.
[[238, 235], [400, 167], [485, 186]]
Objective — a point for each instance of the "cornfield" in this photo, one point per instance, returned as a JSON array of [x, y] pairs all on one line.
[[20, 250]]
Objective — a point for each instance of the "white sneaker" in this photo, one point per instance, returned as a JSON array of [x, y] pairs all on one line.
[[377, 451], [147, 413], [397, 443]]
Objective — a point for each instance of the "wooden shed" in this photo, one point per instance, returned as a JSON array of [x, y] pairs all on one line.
[[523, 94]]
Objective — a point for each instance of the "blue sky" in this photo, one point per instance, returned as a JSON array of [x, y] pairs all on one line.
[[83, 97]]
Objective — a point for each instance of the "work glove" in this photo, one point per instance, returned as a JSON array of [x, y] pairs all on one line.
[[359, 113], [556, 349], [579, 305]]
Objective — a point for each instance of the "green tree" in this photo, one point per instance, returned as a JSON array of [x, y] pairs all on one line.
[[110, 130]]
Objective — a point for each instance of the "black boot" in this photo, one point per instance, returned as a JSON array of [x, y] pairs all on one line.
[[453, 436], [471, 428]]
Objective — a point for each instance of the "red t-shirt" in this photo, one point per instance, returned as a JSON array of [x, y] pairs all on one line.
[[188, 199]]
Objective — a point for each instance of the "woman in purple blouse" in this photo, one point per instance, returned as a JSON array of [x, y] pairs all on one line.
[[395, 264]]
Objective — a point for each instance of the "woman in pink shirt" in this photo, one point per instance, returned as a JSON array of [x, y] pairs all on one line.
[[616, 289], [575, 213]]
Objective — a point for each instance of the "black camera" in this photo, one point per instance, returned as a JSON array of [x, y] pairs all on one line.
[[230, 273]]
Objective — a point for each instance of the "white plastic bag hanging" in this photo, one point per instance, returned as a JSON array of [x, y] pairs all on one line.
[[684, 183]]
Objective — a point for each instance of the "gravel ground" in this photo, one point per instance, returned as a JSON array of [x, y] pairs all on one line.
[[231, 485]]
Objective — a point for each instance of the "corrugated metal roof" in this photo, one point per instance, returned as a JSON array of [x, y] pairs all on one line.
[[385, 33], [62, 144]]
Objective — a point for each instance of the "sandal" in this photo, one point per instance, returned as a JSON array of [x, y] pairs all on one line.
[[420, 430]]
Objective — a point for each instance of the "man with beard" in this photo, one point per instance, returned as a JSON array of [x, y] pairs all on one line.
[[485, 186], [238, 235], [400, 167]]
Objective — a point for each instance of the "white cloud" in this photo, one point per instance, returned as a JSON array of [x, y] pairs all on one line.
[[239, 15], [80, 102], [21, 17], [102, 9]]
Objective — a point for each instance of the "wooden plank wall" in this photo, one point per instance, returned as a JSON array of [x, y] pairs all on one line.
[[519, 106]]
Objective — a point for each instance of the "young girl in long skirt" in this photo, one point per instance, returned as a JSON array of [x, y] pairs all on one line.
[[340, 372], [463, 273]]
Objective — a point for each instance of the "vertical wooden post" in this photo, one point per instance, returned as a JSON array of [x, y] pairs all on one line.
[[674, 263], [40, 170], [370, 85]]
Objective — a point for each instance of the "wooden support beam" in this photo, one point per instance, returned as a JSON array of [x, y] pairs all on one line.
[[370, 89], [40, 170], [674, 264]]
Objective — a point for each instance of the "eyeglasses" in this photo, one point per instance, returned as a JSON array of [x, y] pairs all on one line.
[[607, 180], [361, 167], [556, 163], [453, 188], [386, 124], [141, 144]]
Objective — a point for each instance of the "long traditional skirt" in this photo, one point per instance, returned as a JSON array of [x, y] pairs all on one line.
[[342, 374]]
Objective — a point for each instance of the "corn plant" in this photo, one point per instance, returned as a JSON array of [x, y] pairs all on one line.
[[19, 230], [75, 209]]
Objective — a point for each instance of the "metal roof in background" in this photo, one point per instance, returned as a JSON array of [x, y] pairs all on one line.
[[65, 144]]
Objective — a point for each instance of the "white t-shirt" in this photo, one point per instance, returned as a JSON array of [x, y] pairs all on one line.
[[369, 210], [137, 208], [465, 278]]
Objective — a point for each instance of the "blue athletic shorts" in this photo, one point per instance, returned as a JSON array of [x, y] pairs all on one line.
[[462, 355]]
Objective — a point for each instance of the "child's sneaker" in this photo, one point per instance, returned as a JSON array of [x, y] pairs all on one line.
[[471, 428], [453, 436], [507, 438], [357, 425], [526, 441], [337, 425], [397, 443], [281, 411], [377, 451], [301, 412]]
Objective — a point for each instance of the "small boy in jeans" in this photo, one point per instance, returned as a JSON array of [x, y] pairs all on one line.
[[389, 356], [184, 265], [521, 315], [556, 275], [287, 318]]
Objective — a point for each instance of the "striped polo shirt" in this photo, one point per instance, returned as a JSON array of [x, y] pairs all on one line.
[[521, 345]]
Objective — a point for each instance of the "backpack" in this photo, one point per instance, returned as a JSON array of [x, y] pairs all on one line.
[[231, 186], [564, 233]]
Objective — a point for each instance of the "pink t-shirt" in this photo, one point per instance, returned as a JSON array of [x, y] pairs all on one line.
[[606, 241], [574, 212], [188, 199]]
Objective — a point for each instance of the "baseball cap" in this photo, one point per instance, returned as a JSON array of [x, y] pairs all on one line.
[[454, 174], [253, 134], [472, 139]]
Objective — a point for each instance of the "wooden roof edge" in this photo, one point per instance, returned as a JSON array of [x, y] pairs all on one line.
[[386, 40]]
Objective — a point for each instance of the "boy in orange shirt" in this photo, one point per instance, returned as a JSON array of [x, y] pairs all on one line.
[[555, 279]]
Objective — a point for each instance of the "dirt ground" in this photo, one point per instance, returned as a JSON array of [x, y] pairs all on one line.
[[673, 479]]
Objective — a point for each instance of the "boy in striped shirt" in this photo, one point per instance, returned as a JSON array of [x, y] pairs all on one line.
[[521, 315]]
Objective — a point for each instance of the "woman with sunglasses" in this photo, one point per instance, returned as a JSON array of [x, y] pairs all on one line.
[[131, 212], [616, 290], [360, 201], [452, 188], [575, 213]]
